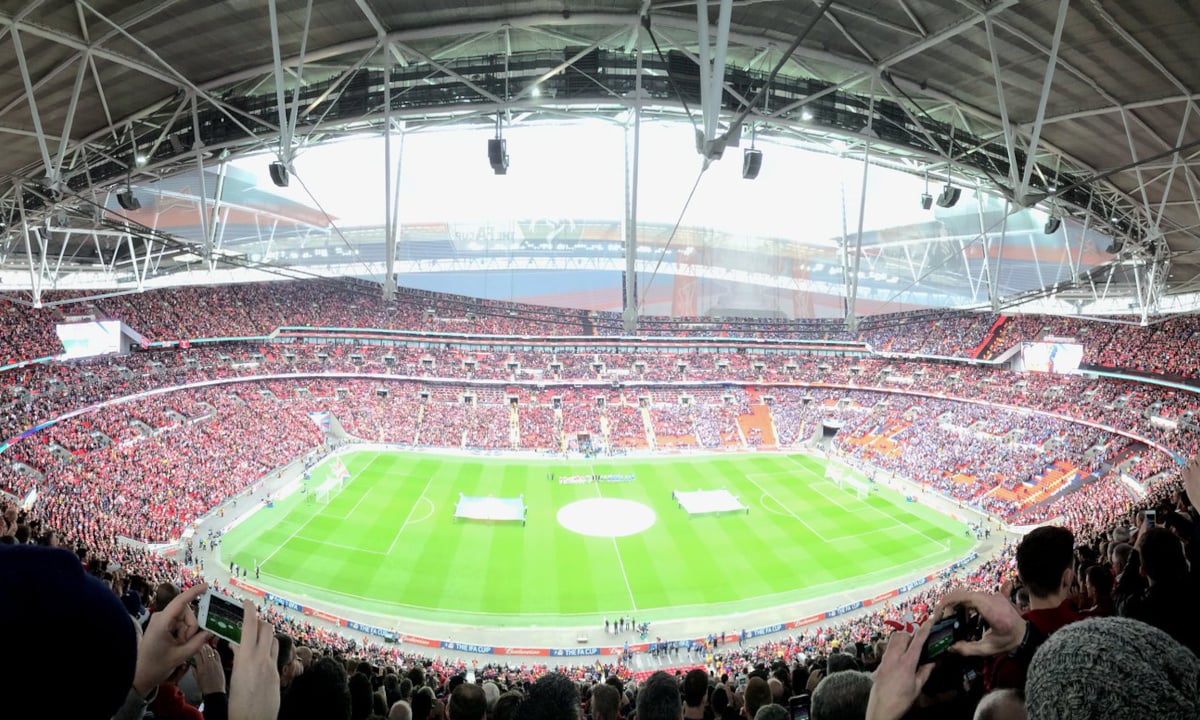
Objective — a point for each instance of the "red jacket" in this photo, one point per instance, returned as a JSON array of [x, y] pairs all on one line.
[[1006, 672], [170, 705]]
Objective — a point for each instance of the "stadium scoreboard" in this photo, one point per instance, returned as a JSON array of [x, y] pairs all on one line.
[[1051, 357]]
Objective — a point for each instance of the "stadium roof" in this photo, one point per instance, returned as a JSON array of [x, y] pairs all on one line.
[[106, 94]]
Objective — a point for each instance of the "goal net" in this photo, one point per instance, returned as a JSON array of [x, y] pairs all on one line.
[[333, 484], [847, 480]]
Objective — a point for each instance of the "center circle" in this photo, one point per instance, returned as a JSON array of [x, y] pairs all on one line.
[[606, 517]]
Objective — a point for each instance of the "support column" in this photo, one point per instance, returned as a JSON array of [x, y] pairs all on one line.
[[629, 309], [389, 220], [852, 281]]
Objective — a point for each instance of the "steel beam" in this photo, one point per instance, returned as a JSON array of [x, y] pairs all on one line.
[[1009, 142], [285, 141], [51, 175], [1047, 80]]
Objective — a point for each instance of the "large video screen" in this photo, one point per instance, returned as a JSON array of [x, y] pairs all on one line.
[[87, 339], [1050, 357]]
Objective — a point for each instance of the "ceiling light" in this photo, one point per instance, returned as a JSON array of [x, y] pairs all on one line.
[[806, 115], [139, 160]]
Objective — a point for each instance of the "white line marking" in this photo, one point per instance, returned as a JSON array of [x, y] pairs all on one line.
[[426, 516], [788, 509], [764, 505], [410, 514], [617, 550], [360, 501], [314, 515], [807, 591], [352, 548], [918, 531]]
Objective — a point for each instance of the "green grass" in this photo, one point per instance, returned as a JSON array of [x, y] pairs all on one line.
[[388, 544]]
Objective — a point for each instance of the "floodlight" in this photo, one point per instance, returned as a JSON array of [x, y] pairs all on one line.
[[128, 201], [279, 174], [949, 196], [1052, 225], [498, 155], [751, 163]]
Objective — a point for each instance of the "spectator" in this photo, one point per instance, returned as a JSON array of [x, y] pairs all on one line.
[[507, 706], [695, 695], [758, 693], [288, 664], [658, 698], [1113, 668], [773, 712], [842, 695], [1099, 585], [1044, 565], [606, 702], [1169, 601], [467, 702], [400, 710], [553, 697], [321, 693], [360, 696], [1002, 704]]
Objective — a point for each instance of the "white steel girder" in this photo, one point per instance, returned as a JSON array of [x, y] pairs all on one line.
[[88, 54]]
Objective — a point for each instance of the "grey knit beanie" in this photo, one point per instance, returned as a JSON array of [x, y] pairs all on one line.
[[1112, 669]]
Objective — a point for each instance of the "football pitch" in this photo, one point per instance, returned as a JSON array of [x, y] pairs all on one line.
[[388, 543]]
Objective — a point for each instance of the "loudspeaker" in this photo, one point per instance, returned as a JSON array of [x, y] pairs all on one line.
[[949, 196], [926, 201], [279, 174], [1052, 225], [498, 155], [128, 201], [751, 163]]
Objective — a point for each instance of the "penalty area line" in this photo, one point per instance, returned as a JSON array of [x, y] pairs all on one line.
[[315, 515]]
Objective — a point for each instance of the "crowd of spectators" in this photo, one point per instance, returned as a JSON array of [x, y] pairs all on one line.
[[1068, 612], [101, 475], [1170, 347]]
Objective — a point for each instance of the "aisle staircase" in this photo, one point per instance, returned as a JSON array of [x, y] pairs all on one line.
[[648, 424], [514, 427], [562, 435], [760, 419], [990, 338]]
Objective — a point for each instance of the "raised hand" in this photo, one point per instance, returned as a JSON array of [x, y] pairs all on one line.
[[1006, 626], [899, 679], [254, 685], [170, 639], [210, 676], [1191, 480]]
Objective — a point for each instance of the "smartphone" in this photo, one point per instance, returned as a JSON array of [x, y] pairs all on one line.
[[1151, 516], [221, 616], [945, 632]]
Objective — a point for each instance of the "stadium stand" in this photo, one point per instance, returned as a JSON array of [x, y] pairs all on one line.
[[189, 450]]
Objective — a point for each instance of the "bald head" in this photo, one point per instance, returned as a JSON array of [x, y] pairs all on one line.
[[1004, 704], [401, 710], [467, 702]]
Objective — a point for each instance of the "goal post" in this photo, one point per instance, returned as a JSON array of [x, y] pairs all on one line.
[[847, 479]]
